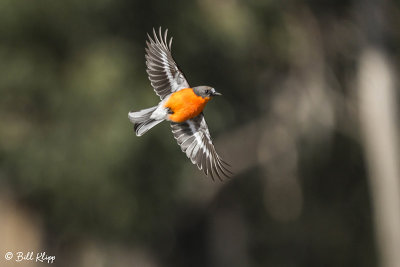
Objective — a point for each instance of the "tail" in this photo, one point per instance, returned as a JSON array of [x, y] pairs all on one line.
[[141, 120]]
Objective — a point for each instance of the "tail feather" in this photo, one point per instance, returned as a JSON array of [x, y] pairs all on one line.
[[141, 120]]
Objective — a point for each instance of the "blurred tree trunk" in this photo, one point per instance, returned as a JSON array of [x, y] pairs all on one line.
[[377, 103]]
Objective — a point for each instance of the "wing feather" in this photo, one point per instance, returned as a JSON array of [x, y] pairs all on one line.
[[164, 74], [195, 141]]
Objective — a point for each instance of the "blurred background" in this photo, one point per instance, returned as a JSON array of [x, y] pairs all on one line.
[[308, 121]]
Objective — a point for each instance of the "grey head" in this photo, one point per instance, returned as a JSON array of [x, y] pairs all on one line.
[[205, 91]]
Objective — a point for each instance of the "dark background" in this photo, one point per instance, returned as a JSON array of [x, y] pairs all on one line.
[[77, 183]]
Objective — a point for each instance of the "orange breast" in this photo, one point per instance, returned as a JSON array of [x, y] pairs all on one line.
[[185, 104]]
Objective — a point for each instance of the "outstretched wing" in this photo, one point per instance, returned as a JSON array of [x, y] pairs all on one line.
[[164, 74], [195, 140]]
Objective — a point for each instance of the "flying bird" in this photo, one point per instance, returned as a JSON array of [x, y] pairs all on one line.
[[181, 105]]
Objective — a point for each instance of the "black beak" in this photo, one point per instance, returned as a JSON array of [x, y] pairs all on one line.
[[215, 93]]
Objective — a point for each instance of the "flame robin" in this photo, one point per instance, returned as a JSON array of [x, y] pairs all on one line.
[[181, 105]]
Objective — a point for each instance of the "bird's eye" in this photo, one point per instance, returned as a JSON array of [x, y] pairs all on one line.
[[207, 91]]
